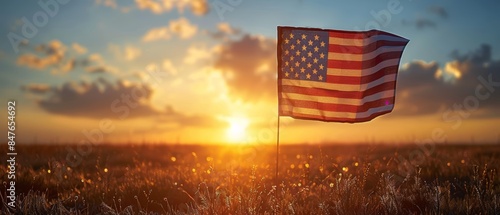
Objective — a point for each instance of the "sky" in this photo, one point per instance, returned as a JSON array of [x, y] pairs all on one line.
[[204, 71]]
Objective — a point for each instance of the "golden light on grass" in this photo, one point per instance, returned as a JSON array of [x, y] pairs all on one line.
[[197, 175], [237, 130]]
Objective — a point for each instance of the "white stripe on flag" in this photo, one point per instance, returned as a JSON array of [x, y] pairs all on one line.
[[366, 56], [340, 87], [342, 101], [336, 114]]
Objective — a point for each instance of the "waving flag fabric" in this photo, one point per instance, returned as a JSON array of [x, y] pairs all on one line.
[[339, 76]]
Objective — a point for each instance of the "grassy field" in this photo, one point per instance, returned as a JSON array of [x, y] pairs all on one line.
[[313, 179]]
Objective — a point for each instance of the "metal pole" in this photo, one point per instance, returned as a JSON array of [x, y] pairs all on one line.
[[277, 165]]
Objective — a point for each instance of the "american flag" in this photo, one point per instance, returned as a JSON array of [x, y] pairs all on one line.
[[334, 75]]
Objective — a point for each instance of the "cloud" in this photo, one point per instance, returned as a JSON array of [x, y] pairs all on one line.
[[425, 23], [99, 99], [440, 11], [107, 3], [427, 88], [224, 30], [154, 6], [197, 7], [128, 53], [52, 54], [66, 67], [132, 53], [249, 67], [79, 48], [100, 69], [161, 33], [121, 100], [95, 57], [36, 88], [181, 27], [52, 48], [156, 73], [35, 62], [60, 59], [421, 23], [479, 56], [168, 66], [197, 53], [114, 5]]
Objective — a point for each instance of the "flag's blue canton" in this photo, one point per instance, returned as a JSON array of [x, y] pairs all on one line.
[[304, 55]]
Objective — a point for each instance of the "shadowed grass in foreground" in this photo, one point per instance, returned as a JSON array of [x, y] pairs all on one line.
[[327, 179]]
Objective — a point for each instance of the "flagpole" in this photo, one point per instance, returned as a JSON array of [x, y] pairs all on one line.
[[276, 178], [277, 162]]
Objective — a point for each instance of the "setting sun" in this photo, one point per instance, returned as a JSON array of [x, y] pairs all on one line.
[[236, 132]]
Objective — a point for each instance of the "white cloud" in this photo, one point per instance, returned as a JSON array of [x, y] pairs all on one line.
[[53, 55], [161, 33], [128, 52], [169, 67], [183, 28], [196, 53], [96, 57], [132, 53], [107, 3], [225, 28], [197, 7], [36, 88], [180, 27], [79, 48], [154, 6], [114, 5]]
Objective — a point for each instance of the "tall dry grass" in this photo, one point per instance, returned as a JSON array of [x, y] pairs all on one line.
[[240, 180]]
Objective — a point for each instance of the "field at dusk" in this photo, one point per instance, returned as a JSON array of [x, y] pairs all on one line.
[[314, 179]]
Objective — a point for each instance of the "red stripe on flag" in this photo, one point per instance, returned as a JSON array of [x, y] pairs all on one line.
[[362, 49], [358, 35], [343, 64], [338, 79]]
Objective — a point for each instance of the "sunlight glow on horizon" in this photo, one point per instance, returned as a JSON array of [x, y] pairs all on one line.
[[237, 130]]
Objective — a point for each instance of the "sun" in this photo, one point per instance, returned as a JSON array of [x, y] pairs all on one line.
[[237, 130]]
